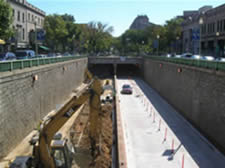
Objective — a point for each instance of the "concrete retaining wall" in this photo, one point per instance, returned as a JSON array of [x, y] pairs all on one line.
[[24, 102], [198, 94]]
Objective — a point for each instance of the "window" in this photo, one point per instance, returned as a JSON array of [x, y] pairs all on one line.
[[208, 28], [28, 16], [13, 13], [59, 158], [23, 34], [23, 18], [18, 16], [32, 18], [221, 26], [39, 21], [218, 26], [224, 25]]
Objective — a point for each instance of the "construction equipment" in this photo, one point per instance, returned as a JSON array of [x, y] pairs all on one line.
[[49, 150]]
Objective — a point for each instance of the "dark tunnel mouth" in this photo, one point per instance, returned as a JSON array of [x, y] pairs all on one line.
[[102, 70], [126, 70], [122, 70]]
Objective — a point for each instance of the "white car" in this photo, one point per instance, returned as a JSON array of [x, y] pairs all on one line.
[[209, 58]]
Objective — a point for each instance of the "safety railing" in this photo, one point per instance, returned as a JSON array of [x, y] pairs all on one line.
[[216, 65], [28, 63]]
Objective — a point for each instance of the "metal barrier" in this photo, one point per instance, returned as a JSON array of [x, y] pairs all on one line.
[[216, 65], [28, 63]]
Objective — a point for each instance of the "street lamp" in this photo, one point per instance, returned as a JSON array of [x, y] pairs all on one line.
[[158, 37], [217, 45], [126, 45], [177, 38], [200, 38], [36, 42], [217, 34]]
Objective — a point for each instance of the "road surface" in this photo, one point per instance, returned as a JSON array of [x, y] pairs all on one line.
[[156, 136]]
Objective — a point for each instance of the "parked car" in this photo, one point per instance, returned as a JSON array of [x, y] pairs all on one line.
[[170, 55], [221, 59], [41, 56], [8, 56], [51, 55], [25, 54], [186, 55], [58, 55], [209, 58], [126, 89], [67, 54], [198, 57], [177, 56]]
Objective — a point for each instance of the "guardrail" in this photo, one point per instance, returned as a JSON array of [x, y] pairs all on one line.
[[28, 63], [216, 65]]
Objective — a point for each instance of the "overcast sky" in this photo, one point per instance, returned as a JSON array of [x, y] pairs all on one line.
[[121, 13]]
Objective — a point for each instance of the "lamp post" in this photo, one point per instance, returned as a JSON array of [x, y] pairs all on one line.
[[200, 38], [36, 42], [177, 38], [158, 37], [126, 45], [217, 45]]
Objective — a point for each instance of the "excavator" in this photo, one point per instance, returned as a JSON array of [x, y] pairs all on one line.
[[49, 149]]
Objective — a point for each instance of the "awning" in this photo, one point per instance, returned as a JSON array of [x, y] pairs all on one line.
[[44, 48], [2, 41]]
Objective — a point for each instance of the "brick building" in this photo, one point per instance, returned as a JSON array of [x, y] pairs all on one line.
[[211, 34], [191, 30]]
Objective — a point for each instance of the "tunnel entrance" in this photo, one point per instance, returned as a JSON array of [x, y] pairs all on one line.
[[102, 71], [124, 70]]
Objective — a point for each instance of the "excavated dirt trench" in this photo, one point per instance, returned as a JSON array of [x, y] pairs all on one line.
[[95, 153]]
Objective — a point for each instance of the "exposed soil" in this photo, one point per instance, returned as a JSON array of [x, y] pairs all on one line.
[[93, 153]]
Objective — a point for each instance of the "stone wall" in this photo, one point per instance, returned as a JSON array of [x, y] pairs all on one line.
[[198, 94], [24, 102]]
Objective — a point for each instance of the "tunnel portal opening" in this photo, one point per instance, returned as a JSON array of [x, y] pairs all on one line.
[[102, 71], [122, 70], [125, 70]]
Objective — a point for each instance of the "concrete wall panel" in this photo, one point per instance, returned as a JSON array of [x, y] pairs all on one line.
[[23, 103], [198, 94]]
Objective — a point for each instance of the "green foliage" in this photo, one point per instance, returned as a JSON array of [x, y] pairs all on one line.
[[5, 20], [62, 34], [141, 41]]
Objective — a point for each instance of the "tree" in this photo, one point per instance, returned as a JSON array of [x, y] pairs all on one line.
[[173, 30], [56, 32], [68, 18], [100, 38], [5, 20]]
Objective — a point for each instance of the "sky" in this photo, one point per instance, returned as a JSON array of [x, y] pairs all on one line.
[[121, 13]]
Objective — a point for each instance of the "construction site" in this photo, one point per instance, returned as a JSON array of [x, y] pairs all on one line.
[[95, 125]]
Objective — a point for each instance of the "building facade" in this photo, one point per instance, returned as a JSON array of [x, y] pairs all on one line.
[[213, 32], [26, 19], [191, 33], [204, 31]]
